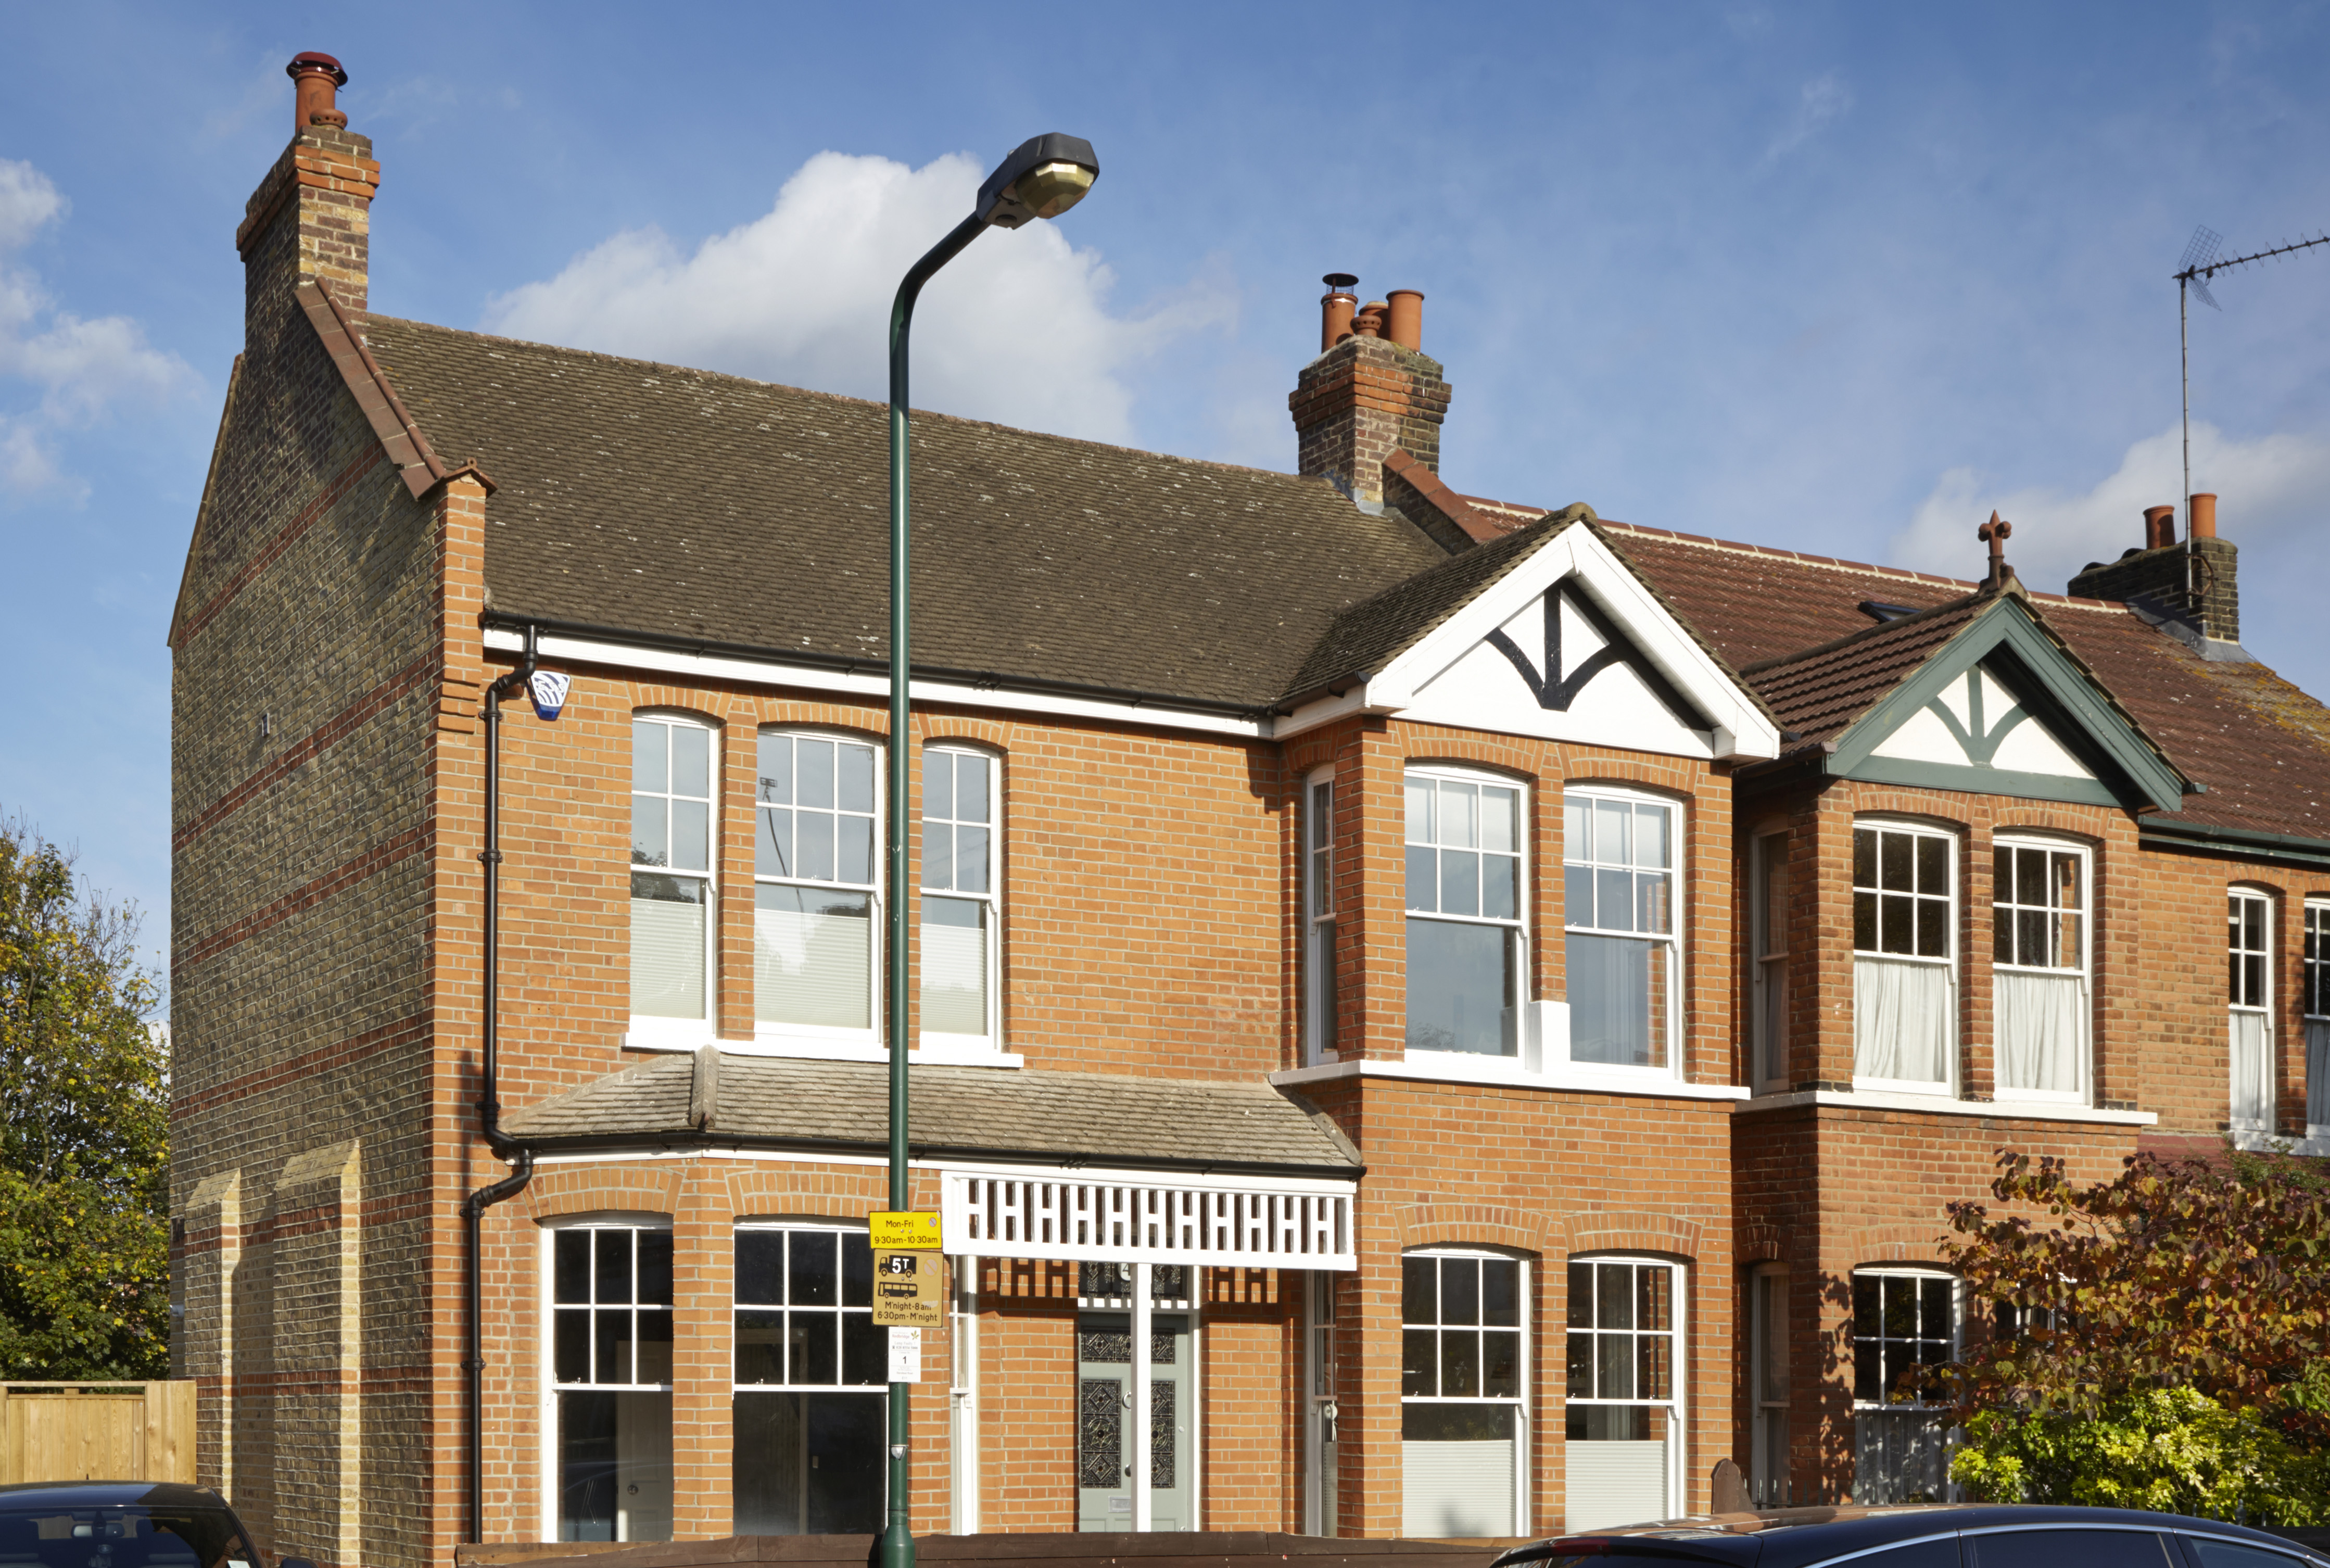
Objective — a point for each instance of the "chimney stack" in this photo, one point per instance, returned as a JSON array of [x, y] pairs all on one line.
[[1372, 392], [2194, 582], [310, 219]]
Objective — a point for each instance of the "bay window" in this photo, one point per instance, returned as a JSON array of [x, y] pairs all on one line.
[[960, 887], [1623, 1414], [672, 836], [2248, 921], [1318, 829], [1904, 955], [1463, 1406], [1617, 854], [809, 1407], [2316, 1007], [1464, 903], [610, 1374], [2038, 969], [816, 919]]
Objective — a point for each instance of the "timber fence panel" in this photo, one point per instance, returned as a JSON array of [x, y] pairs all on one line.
[[129, 1432]]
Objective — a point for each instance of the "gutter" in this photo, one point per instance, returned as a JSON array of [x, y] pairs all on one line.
[[2288, 849], [648, 1144]]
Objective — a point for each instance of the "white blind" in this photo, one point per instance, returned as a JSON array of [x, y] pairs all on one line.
[[954, 979], [1456, 1488], [667, 959], [2252, 1074], [1614, 1482], [815, 969], [2317, 1071], [1902, 1027], [2043, 1030]]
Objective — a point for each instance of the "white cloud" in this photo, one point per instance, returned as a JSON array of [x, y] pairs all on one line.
[[81, 367], [1823, 100], [2266, 487], [1017, 329]]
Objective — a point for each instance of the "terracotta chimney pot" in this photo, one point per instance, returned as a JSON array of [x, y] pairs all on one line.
[[2159, 528], [1370, 322], [1405, 326], [2202, 508], [1335, 309], [318, 78]]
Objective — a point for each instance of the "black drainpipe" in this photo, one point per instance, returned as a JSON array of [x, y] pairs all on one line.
[[489, 1105]]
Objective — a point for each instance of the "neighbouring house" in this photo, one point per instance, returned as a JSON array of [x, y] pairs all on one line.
[[1434, 1016]]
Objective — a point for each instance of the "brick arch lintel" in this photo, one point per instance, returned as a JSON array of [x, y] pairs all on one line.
[[1920, 1244], [1472, 1225], [1759, 1243], [623, 1189], [1630, 1231]]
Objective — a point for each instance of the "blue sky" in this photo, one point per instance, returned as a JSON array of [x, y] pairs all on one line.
[[1840, 278]]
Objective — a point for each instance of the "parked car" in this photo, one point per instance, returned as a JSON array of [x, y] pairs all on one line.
[[123, 1524], [1941, 1536]]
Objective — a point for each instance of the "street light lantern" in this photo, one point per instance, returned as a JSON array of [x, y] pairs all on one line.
[[1044, 177]]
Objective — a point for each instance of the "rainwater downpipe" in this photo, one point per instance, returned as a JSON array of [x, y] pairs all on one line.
[[490, 1105]]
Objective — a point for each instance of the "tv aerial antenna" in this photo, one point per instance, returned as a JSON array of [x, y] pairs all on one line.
[[2194, 275]]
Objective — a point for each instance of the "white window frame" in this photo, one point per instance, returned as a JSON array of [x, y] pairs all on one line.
[[2261, 1007], [985, 1046], [1770, 1483], [1948, 1085], [2085, 1051], [2314, 1004], [1678, 1402], [1767, 963], [1523, 1405], [1315, 818], [1520, 1054], [823, 1041], [680, 1034], [547, 1378], [1957, 1327], [1672, 1070]]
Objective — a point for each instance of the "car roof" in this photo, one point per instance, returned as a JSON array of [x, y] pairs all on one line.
[[106, 1494], [1799, 1537]]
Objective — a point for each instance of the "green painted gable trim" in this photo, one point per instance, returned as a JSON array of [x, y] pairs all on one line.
[[2007, 640]]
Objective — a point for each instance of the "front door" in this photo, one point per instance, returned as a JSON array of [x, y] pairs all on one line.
[[1105, 1442]]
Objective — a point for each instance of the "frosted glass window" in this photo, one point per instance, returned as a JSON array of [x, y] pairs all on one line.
[[815, 922], [672, 846], [960, 884]]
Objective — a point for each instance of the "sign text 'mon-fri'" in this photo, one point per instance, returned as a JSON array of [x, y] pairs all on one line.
[[903, 1231]]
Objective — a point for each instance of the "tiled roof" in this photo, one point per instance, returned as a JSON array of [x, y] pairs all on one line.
[[1819, 693], [709, 509], [966, 1111], [2258, 745]]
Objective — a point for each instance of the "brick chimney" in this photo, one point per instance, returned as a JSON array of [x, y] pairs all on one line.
[[1372, 392], [2197, 587], [311, 216]]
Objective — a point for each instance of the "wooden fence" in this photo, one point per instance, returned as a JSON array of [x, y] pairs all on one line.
[[96, 1431], [1161, 1550]]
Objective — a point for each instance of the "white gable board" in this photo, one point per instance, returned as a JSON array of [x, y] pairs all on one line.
[[1497, 665], [1975, 722]]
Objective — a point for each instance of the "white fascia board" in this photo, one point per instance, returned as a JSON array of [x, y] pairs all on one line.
[[1741, 733], [1326, 711], [712, 667], [1104, 1176]]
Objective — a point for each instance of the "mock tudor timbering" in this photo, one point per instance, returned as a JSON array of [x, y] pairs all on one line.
[[1378, 949]]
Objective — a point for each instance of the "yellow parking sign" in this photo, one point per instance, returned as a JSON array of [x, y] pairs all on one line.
[[909, 1289], [904, 1230]]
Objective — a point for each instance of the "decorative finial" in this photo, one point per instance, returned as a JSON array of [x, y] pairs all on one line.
[[1995, 533]]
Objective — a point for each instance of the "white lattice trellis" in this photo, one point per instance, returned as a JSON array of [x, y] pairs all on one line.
[[1131, 1218]]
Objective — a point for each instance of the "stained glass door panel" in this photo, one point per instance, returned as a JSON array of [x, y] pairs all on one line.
[[1106, 1439]]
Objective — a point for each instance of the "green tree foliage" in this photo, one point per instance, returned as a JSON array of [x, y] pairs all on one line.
[[84, 1130], [2162, 1339]]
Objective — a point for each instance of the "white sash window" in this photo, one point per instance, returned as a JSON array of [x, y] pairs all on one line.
[[674, 822], [610, 1384], [2040, 999], [1464, 1416], [1902, 1319], [1768, 938], [816, 915], [961, 900], [1465, 973], [1623, 1410], [2316, 1007], [2248, 923], [1904, 958], [1319, 918], [1618, 855]]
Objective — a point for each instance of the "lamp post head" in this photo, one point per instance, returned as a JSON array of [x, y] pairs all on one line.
[[1044, 178]]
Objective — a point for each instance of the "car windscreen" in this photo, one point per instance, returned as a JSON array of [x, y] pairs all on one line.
[[122, 1536]]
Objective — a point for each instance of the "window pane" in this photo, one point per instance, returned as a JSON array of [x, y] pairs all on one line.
[[2002, 934], [655, 1268], [812, 1354], [1651, 836], [776, 768], [654, 1364], [938, 854], [612, 1337], [814, 772], [1460, 985], [1421, 798], [2002, 874], [1893, 864], [1419, 1292], [1497, 812], [1614, 900], [817, 845], [1581, 1367], [1460, 1364], [1612, 841], [1933, 864], [691, 835], [1500, 1292], [1896, 935], [969, 856], [863, 1363], [1459, 815], [2031, 876], [1867, 1310], [1614, 1370], [1933, 1308], [1614, 1295], [813, 1277], [812, 957], [1651, 912], [611, 1253], [1500, 884], [853, 849], [1419, 1364], [668, 933], [2030, 936], [954, 966], [761, 1266], [760, 1347], [1581, 1296], [1460, 1290], [1423, 879], [573, 1353], [1577, 894], [1652, 1374], [856, 1271], [971, 787], [938, 784], [2253, 925], [1900, 1314], [1576, 829], [1653, 1287], [853, 783], [651, 831], [2066, 885], [691, 761], [772, 846], [1612, 1002], [1500, 1365], [1864, 857], [1864, 922], [650, 751], [570, 1266], [1459, 882]]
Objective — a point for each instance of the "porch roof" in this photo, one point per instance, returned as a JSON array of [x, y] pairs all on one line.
[[712, 1098]]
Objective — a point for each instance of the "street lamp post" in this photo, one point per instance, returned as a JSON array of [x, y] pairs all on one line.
[[1045, 177]]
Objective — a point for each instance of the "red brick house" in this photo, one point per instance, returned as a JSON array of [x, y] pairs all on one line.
[[1488, 1003]]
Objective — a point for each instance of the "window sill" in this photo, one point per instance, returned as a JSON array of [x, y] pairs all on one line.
[[2262, 1140], [1458, 1067], [1946, 1106], [935, 1051]]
